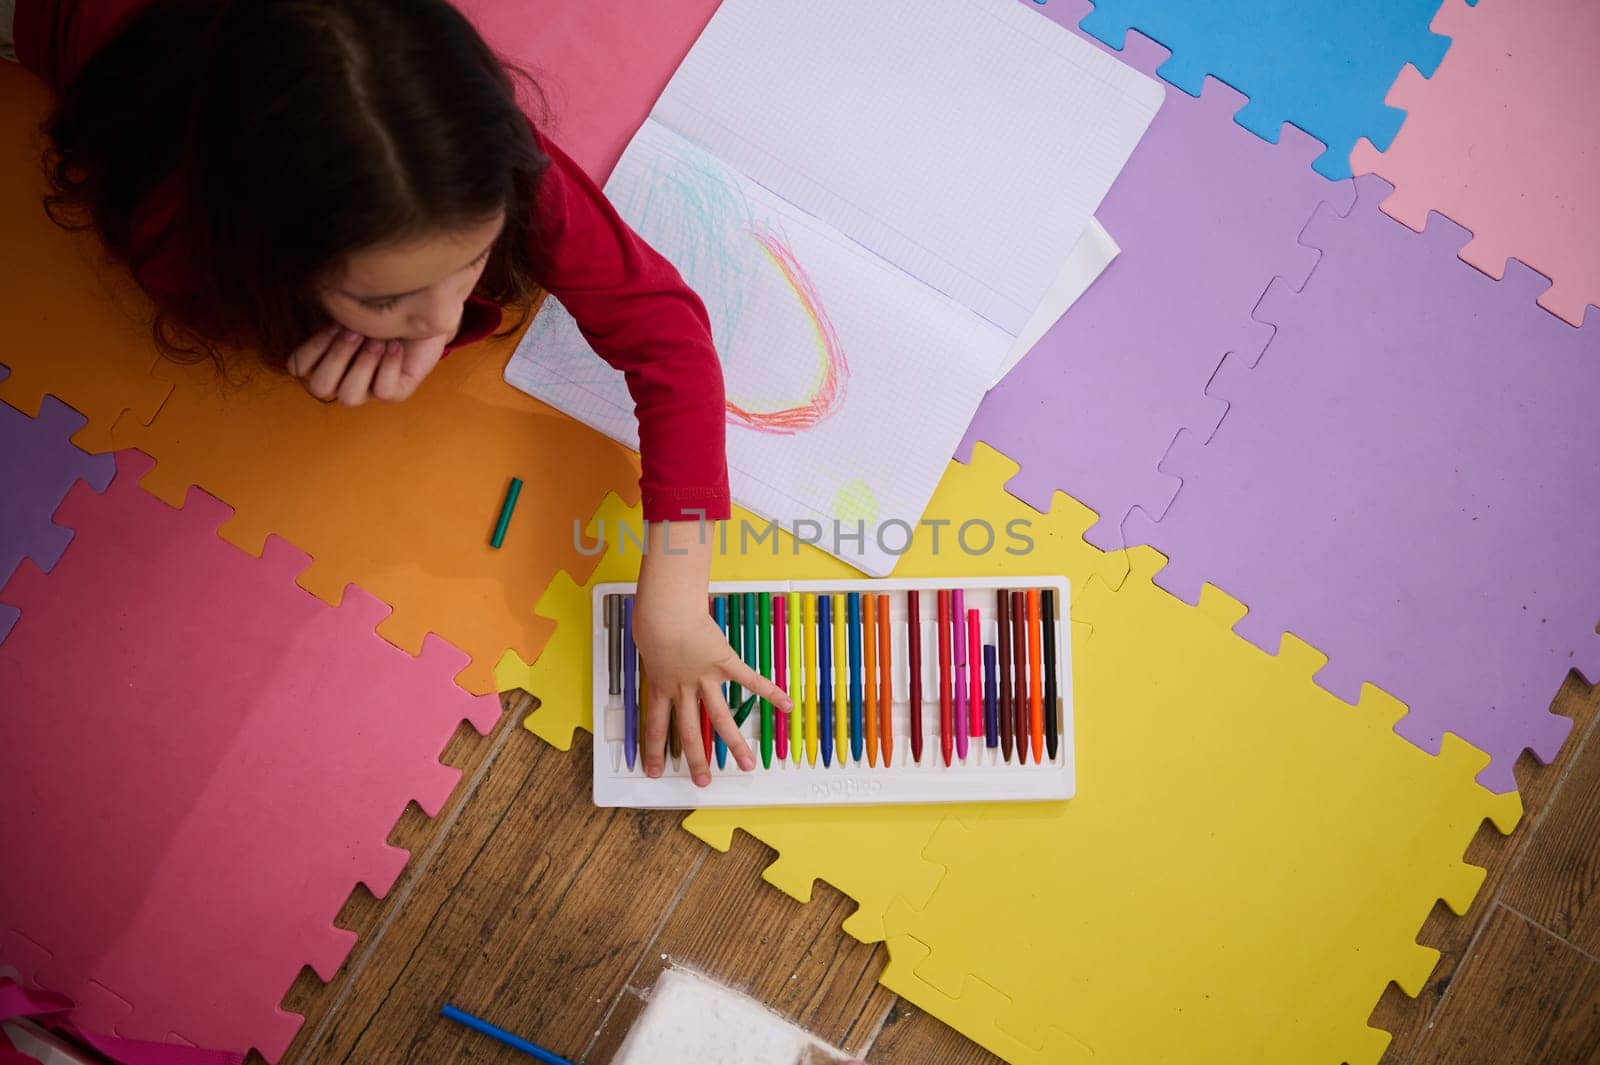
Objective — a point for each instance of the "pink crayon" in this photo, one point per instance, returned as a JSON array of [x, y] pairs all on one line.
[[975, 672]]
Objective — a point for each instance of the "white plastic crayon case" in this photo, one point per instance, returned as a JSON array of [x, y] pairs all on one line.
[[804, 776]]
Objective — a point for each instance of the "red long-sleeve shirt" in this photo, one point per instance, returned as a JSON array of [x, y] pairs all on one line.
[[631, 304]]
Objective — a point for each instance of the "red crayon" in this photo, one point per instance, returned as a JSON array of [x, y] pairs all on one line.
[[914, 662], [975, 687], [1003, 664], [1019, 672], [946, 707]]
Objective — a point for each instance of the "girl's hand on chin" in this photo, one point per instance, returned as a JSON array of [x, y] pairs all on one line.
[[340, 364]]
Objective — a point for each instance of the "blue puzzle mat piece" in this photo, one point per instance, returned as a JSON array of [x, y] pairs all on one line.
[[1322, 66]]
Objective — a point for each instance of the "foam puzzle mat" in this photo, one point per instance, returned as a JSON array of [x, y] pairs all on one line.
[[202, 761], [1216, 782], [1206, 215], [1414, 450], [1504, 139], [1323, 67], [1250, 854]]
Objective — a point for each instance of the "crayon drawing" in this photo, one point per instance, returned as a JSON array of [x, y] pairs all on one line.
[[691, 208], [847, 383]]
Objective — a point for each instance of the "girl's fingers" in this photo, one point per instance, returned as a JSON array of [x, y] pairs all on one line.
[[389, 384], [658, 717], [688, 717], [356, 387], [329, 371], [756, 684], [723, 724], [303, 358]]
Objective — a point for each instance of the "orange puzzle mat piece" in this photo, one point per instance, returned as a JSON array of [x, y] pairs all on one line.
[[399, 499]]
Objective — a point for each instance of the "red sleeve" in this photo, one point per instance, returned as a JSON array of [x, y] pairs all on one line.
[[639, 315], [55, 38]]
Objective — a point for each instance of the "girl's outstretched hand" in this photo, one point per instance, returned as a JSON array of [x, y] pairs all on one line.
[[340, 364], [685, 656]]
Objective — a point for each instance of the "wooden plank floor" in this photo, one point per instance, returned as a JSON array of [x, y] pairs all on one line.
[[524, 904]]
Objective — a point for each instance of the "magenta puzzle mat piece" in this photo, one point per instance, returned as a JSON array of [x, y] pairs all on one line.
[[1206, 214], [1407, 481], [198, 761]]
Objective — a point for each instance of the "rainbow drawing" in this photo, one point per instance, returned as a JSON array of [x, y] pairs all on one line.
[[828, 392]]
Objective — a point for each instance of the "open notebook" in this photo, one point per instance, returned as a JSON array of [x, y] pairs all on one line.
[[873, 198]]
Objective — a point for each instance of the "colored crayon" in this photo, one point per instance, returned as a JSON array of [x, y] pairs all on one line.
[[946, 737], [630, 693], [1003, 661], [752, 648], [975, 658], [613, 612], [958, 641], [719, 610], [841, 684], [991, 702], [1019, 672], [1035, 681], [825, 677], [869, 680], [853, 606], [736, 641], [515, 1042], [764, 636], [780, 669], [914, 672], [885, 683], [797, 667], [808, 603], [1047, 611]]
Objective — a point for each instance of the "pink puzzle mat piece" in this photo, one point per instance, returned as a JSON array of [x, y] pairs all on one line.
[[1407, 481], [1206, 214], [1505, 140], [600, 67], [198, 761]]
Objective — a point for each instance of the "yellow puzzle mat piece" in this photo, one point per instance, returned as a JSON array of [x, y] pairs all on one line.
[[1243, 870], [399, 499]]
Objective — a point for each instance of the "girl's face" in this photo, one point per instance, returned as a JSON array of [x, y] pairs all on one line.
[[412, 289]]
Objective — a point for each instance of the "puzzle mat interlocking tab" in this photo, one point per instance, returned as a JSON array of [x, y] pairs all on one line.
[[1505, 140], [1206, 215], [1220, 820], [38, 463], [201, 761], [397, 498], [1406, 481], [1324, 67]]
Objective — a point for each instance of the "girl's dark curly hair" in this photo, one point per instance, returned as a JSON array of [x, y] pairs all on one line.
[[256, 143]]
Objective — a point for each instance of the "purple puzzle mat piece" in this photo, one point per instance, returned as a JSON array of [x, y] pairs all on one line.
[[1206, 214], [1407, 480], [38, 463]]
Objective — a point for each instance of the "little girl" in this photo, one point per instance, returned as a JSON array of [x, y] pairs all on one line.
[[348, 189]]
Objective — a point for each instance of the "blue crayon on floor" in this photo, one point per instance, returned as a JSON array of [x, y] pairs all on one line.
[[856, 738], [825, 676], [538, 1053]]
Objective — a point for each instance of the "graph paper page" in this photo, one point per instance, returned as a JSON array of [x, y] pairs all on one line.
[[968, 142]]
